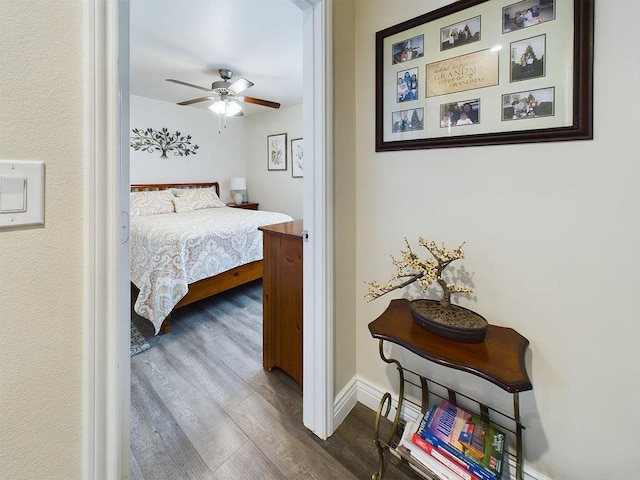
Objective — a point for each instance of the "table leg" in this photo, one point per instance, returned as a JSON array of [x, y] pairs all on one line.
[[384, 409]]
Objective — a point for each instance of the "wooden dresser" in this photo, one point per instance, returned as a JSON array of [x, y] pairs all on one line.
[[282, 298]]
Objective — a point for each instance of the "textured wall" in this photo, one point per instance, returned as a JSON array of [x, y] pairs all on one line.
[[41, 95], [344, 161]]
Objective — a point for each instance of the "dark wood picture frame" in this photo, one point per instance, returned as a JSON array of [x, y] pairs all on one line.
[[569, 35]]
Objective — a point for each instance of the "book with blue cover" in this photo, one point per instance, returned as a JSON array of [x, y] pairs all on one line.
[[417, 453], [446, 453], [476, 444]]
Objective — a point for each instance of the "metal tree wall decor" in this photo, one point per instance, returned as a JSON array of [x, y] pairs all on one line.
[[150, 140]]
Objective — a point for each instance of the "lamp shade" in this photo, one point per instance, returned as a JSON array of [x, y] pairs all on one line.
[[233, 108], [238, 183]]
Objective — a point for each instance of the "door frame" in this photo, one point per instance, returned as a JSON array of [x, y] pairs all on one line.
[[318, 397], [106, 297], [106, 365]]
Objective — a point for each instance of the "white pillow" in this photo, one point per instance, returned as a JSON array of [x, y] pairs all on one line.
[[187, 199], [183, 204], [151, 203]]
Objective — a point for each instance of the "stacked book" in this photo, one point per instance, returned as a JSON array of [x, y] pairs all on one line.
[[455, 444]]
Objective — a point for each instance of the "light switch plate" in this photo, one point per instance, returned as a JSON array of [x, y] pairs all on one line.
[[21, 193]]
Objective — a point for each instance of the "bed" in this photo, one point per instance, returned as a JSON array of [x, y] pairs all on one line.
[[187, 245]]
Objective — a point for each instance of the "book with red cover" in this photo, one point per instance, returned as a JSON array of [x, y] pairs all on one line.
[[444, 458]]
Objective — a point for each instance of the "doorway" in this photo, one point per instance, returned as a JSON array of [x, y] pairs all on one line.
[[107, 295]]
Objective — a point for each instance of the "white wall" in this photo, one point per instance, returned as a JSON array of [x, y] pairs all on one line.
[[552, 233], [277, 190], [238, 151], [219, 157]]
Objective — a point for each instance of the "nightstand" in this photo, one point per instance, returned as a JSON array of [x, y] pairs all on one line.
[[246, 206]]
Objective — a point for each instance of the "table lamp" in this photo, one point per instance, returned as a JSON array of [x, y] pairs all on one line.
[[238, 185]]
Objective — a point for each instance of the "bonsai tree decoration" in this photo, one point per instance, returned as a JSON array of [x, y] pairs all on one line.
[[438, 316]]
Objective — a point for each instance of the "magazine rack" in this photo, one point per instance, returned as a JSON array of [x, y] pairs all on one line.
[[498, 359]]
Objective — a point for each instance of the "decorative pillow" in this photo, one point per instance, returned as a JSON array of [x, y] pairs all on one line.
[[187, 199], [183, 204], [151, 203]]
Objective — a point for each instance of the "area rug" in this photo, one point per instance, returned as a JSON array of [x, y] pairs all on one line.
[[139, 342]]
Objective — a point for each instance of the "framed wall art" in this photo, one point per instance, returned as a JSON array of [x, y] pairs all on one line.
[[486, 72], [297, 158], [277, 152]]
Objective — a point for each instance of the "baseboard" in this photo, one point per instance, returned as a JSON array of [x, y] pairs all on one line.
[[344, 402], [368, 394]]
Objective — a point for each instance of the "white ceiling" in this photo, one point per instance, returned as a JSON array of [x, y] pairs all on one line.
[[189, 40]]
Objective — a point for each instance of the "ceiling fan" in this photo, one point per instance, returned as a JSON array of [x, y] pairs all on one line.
[[224, 92]]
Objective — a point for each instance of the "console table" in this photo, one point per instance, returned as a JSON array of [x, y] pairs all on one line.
[[499, 359]]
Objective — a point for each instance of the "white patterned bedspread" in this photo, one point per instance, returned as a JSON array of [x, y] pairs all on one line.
[[172, 250]]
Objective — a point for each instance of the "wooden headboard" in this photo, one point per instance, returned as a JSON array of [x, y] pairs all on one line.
[[147, 187]]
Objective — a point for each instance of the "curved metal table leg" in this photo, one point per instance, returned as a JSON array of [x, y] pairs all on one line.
[[383, 411]]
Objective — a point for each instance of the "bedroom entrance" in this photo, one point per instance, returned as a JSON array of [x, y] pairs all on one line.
[[107, 372]]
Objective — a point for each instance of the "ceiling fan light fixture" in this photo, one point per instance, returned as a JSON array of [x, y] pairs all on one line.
[[225, 107], [233, 108], [218, 107]]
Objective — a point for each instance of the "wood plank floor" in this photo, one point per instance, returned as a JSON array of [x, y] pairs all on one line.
[[202, 407]]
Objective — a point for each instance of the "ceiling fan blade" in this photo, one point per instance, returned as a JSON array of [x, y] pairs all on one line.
[[258, 101], [195, 100], [187, 84], [240, 85]]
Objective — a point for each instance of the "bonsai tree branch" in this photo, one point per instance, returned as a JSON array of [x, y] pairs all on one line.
[[411, 269]]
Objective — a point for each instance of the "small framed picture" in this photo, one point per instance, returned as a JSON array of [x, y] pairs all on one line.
[[466, 112], [277, 152], [528, 58], [528, 104], [297, 158], [408, 85], [408, 49], [460, 33], [408, 120], [527, 14]]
